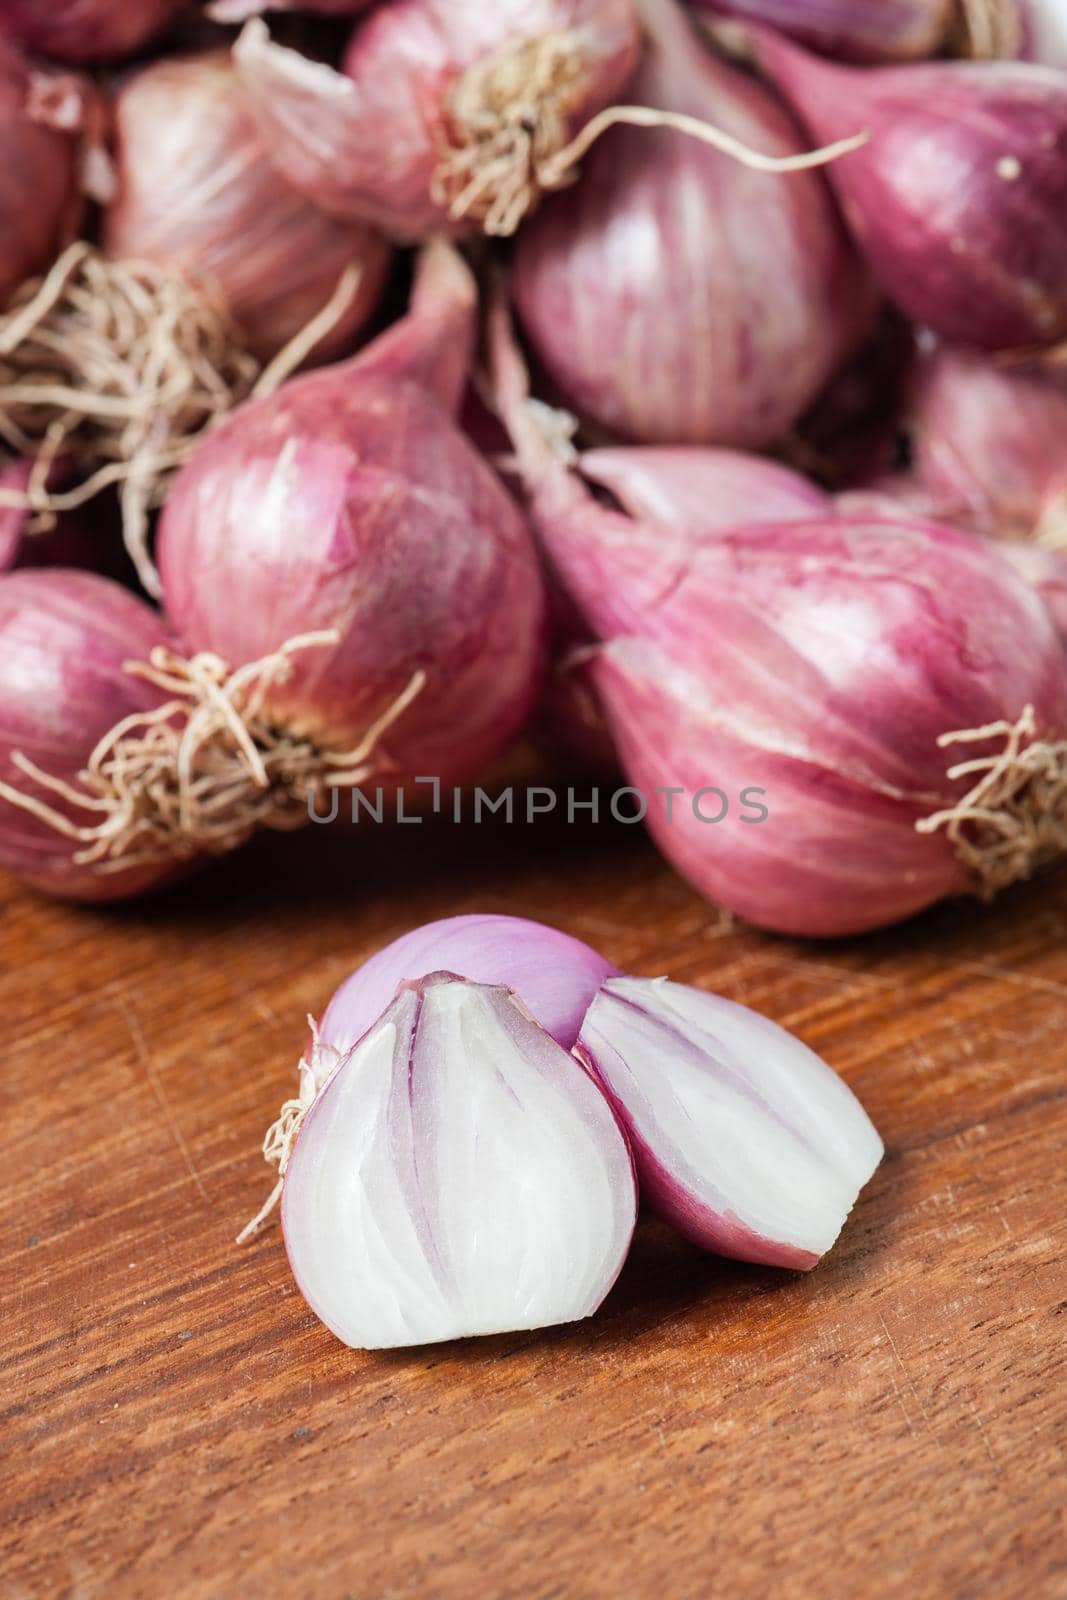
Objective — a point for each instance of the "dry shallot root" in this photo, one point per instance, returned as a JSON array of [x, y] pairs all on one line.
[[200, 773], [110, 371], [1014, 817], [506, 136]]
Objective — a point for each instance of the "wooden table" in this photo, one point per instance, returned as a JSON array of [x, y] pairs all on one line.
[[179, 1425]]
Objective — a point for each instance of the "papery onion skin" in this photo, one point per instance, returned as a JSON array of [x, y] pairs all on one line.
[[959, 199], [705, 491], [350, 500], [64, 639], [38, 179], [86, 30], [554, 975], [851, 30], [367, 142], [990, 443], [198, 193], [459, 1175], [743, 1138], [727, 297]]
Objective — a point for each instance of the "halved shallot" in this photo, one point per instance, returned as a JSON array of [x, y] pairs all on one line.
[[459, 1174], [744, 1138]]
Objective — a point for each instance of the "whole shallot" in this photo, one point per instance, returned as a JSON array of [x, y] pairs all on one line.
[[197, 193], [726, 296], [889, 693], [959, 198], [447, 113]]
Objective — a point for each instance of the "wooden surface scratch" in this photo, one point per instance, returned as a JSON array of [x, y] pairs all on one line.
[[176, 1421]]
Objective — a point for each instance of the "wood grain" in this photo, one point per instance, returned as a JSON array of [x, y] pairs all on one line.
[[177, 1423]]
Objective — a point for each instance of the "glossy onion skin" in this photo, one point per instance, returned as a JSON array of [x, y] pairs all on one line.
[[86, 30], [352, 501], [366, 143], [727, 297], [38, 180], [198, 193], [64, 637], [959, 200]]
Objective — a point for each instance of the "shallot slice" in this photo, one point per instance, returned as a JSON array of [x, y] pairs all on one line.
[[459, 1174], [744, 1139]]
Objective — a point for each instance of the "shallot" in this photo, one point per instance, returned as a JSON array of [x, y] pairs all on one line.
[[554, 975], [86, 30], [39, 200], [197, 193], [446, 112], [65, 641], [990, 444], [459, 1174], [889, 694], [744, 1139], [726, 296], [959, 199]]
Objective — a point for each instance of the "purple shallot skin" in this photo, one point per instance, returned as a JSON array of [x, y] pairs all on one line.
[[959, 198]]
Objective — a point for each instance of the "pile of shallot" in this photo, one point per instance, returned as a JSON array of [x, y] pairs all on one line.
[[679, 387]]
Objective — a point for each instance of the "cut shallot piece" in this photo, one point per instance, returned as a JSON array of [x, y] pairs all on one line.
[[744, 1139], [459, 1174]]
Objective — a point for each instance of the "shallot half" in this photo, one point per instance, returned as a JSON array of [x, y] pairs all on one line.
[[726, 296], [959, 199], [744, 1139], [459, 1174]]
